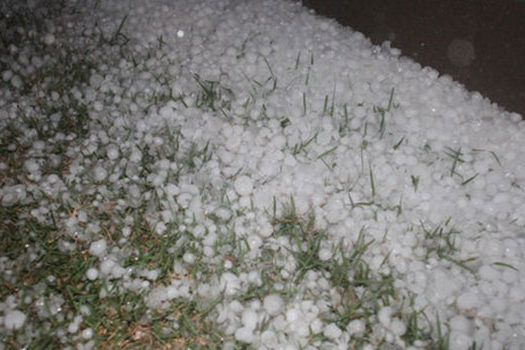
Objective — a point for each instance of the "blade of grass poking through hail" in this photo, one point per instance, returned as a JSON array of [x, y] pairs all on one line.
[[456, 159], [382, 113], [372, 181], [325, 153]]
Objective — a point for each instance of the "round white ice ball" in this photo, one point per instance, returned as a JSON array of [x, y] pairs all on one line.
[[243, 185], [100, 174], [249, 318], [98, 248], [112, 152], [273, 304], [14, 319], [92, 274]]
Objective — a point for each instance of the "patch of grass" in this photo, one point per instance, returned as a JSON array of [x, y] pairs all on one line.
[[213, 94], [74, 118], [441, 239], [135, 328], [363, 291], [48, 274], [443, 339], [44, 272], [415, 331], [196, 157]]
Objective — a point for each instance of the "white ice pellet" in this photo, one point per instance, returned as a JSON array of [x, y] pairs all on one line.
[[107, 266], [100, 174], [49, 39], [269, 339], [223, 213], [227, 264], [249, 318], [31, 165], [12, 194], [188, 258], [229, 283], [184, 200], [87, 333], [355, 327], [325, 254], [293, 315], [332, 331], [244, 334], [160, 228], [112, 152], [136, 155], [398, 327], [254, 241], [172, 190], [118, 271], [461, 324], [85, 310], [316, 325], [488, 273], [152, 275], [98, 248], [16, 81], [73, 327], [510, 276], [273, 304], [14, 319], [459, 341], [6, 75], [243, 185], [265, 229], [254, 277], [468, 300], [98, 106], [126, 231], [384, 315], [92, 274]]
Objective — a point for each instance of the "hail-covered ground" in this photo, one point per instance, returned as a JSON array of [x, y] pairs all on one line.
[[245, 174]]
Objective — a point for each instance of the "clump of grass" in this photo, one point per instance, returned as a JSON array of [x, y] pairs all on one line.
[[363, 291], [212, 95], [42, 263], [415, 330], [119, 319], [441, 241]]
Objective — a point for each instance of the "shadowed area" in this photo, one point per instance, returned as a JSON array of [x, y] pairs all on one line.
[[479, 43]]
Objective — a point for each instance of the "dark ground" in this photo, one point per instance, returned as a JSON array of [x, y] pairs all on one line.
[[480, 43]]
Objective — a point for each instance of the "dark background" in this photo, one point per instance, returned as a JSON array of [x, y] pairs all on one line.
[[480, 43]]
